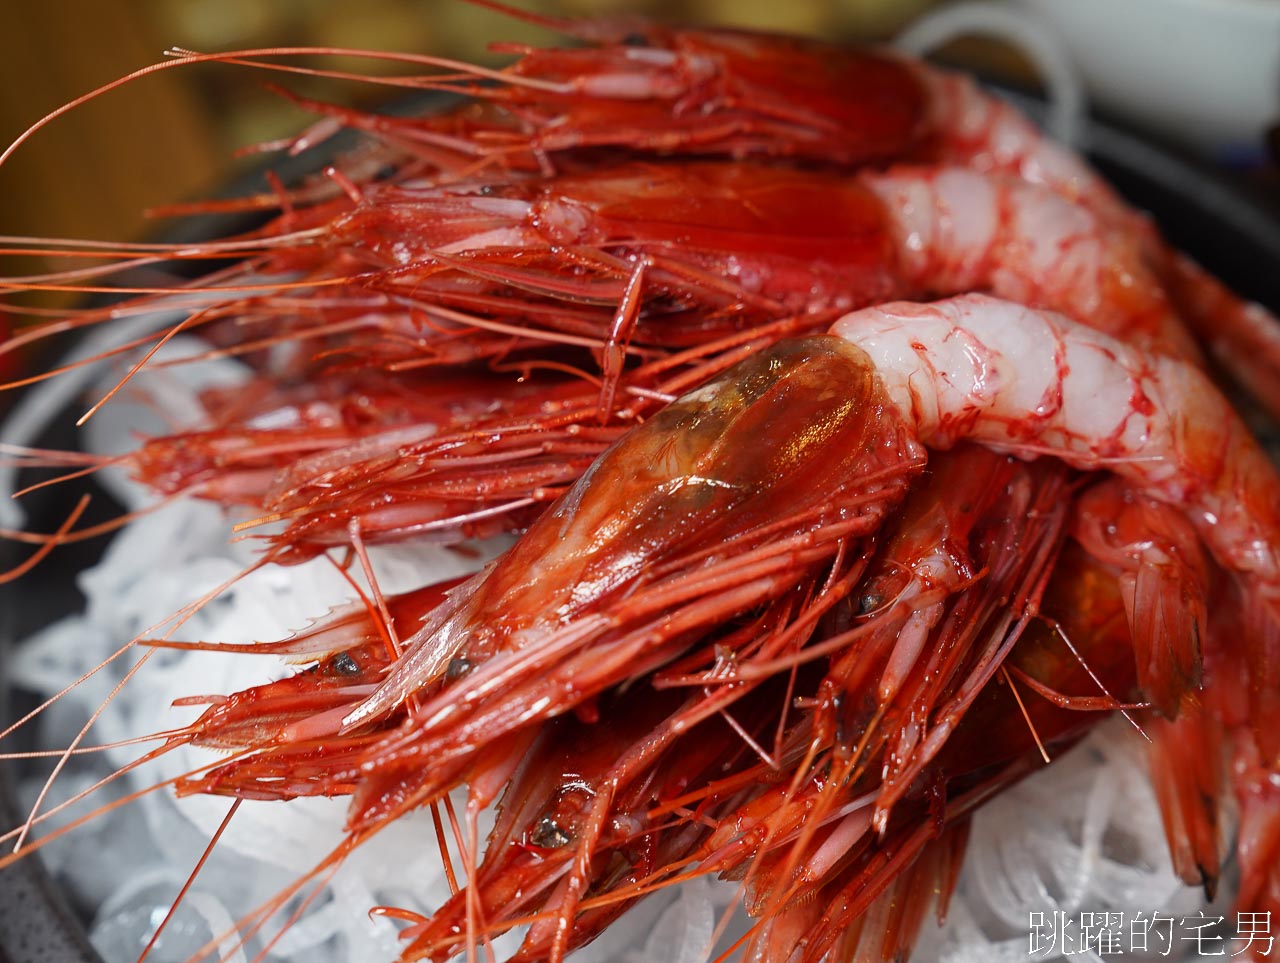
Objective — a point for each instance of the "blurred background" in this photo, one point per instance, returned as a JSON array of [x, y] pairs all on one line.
[[172, 136]]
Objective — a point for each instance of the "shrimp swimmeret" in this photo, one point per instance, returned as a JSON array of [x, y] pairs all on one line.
[[801, 579]]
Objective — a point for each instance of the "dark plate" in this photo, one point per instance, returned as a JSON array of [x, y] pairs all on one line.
[[1232, 231]]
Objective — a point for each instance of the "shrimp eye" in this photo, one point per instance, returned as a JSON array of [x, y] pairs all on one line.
[[869, 603], [635, 40], [458, 667], [343, 664], [548, 835]]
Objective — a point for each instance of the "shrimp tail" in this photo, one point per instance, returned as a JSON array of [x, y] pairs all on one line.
[[1165, 575], [1187, 768]]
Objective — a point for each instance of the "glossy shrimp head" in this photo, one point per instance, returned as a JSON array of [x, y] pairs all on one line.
[[728, 92], [780, 433]]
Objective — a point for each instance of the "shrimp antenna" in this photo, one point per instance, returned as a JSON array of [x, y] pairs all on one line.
[[610, 29], [1061, 633], [566, 25], [204, 858], [1013, 689], [54, 540], [181, 57]]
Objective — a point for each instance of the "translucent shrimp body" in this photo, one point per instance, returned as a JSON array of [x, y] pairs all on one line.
[[1031, 382], [958, 230]]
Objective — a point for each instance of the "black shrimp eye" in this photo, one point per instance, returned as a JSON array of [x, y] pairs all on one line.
[[548, 835], [458, 667], [343, 664], [635, 39], [869, 603]]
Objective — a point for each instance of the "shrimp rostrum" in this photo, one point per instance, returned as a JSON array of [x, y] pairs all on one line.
[[861, 451]]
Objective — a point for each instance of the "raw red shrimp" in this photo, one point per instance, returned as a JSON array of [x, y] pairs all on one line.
[[778, 241], [982, 406], [485, 737], [740, 93], [948, 368], [694, 472], [736, 93], [1031, 382], [987, 134], [803, 244], [644, 86], [1068, 263], [414, 274], [494, 697], [715, 91], [780, 95], [720, 861], [379, 765]]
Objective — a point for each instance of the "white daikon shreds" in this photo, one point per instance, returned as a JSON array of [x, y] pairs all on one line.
[[1083, 836]]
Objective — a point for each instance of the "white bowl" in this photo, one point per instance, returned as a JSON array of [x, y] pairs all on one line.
[[1206, 72]]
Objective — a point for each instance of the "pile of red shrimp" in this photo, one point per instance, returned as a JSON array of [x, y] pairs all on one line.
[[862, 449]]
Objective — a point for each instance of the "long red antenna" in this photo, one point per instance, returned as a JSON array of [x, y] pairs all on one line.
[[565, 25]]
